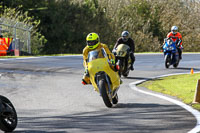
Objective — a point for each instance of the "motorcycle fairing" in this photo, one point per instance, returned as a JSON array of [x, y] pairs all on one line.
[[101, 64]]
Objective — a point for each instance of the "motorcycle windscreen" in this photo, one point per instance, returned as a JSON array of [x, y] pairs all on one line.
[[95, 54], [122, 50]]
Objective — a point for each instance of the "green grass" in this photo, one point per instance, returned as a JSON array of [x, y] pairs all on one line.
[[181, 86]]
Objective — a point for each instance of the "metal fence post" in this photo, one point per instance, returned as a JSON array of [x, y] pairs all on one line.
[[15, 34], [29, 39]]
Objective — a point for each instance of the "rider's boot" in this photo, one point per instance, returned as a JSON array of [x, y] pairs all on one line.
[[180, 56], [180, 53], [132, 68], [86, 79], [121, 81]]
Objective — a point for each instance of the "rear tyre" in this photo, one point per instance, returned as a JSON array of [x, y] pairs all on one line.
[[104, 93], [125, 74], [176, 65], [8, 116]]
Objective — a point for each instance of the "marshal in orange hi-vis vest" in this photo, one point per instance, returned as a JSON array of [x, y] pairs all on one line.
[[4, 45]]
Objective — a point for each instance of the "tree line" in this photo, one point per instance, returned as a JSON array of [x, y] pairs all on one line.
[[61, 26]]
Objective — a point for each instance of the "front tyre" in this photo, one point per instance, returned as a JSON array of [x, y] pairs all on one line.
[[167, 61], [8, 115], [104, 93], [125, 70]]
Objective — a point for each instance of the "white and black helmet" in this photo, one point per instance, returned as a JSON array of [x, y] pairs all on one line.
[[174, 29], [125, 35]]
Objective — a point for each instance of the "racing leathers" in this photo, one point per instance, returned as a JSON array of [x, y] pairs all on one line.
[[131, 44], [177, 37], [86, 50]]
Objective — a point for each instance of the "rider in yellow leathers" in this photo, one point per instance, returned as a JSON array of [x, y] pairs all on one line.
[[93, 42]]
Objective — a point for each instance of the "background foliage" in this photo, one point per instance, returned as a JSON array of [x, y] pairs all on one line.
[[65, 23]]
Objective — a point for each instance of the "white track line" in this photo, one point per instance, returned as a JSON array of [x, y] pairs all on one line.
[[183, 105]]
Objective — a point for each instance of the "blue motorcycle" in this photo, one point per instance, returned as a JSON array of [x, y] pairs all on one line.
[[171, 53]]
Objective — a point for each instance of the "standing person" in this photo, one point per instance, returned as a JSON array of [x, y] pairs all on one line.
[[93, 42], [176, 36], [125, 39]]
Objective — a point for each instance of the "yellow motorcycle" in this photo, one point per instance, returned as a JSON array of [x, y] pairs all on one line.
[[123, 60], [103, 76]]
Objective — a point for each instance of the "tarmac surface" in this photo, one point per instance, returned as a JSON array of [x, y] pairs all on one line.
[[49, 97]]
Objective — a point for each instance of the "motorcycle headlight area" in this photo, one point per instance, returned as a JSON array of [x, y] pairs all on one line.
[[170, 48]]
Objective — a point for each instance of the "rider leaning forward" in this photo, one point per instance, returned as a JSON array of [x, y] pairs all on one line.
[[176, 36], [93, 42], [125, 39]]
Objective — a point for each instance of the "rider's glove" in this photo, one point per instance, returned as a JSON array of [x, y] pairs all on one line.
[[112, 61], [114, 51]]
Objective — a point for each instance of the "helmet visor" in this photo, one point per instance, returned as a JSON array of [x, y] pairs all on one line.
[[92, 43], [174, 31], [125, 38]]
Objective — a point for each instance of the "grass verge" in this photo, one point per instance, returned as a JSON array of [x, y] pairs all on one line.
[[181, 86]]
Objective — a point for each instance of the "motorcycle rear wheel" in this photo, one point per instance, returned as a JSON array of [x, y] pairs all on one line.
[[8, 120], [104, 93], [125, 74], [175, 65]]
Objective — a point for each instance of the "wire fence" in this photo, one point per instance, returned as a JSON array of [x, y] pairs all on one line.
[[19, 32]]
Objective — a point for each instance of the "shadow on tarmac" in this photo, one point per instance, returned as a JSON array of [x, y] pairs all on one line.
[[186, 68], [124, 117]]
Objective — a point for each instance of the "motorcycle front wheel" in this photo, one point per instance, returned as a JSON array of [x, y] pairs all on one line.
[[125, 68], [8, 115], [167, 61], [104, 93]]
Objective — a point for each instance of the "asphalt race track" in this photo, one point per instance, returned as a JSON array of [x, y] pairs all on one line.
[[49, 97]]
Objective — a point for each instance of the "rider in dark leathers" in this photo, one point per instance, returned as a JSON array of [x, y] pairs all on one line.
[[125, 39]]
